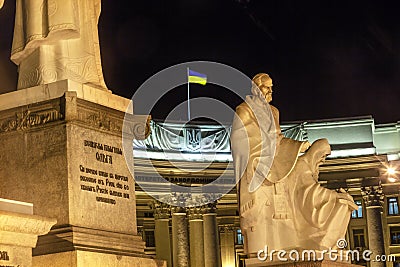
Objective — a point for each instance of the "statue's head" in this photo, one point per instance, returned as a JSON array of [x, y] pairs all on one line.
[[263, 82], [318, 152]]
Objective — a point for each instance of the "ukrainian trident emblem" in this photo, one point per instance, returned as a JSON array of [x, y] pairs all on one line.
[[192, 138]]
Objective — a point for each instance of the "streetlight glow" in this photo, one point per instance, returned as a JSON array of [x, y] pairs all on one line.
[[391, 171], [391, 174]]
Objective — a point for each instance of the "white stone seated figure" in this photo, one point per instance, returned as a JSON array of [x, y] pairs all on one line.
[[281, 203]]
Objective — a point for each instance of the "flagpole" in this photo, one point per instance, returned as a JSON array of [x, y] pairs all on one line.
[[188, 95]]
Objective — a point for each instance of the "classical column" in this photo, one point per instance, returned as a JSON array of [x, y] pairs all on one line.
[[196, 237], [212, 255], [162, 213], [180, 238], [373, 198], [227, 240]]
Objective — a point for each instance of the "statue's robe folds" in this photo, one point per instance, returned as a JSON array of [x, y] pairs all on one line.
[[281, 204], [56, 40], [320, 215]]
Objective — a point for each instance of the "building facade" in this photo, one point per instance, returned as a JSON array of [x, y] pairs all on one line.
[[363, 161]]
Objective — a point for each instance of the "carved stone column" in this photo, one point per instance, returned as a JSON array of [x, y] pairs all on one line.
[[212, 255], [180, 238], [227, 240], [373, 198], [196, 237], [162, 213]]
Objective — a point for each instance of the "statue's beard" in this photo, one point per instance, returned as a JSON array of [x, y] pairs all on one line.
[[258, 93], [267, 97]]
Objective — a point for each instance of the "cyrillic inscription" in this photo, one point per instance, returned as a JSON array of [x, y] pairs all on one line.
[[4, 256], [107, 185]]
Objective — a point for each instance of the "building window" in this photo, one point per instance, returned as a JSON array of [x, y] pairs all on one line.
[[395, 235], [241, 259], [393, 206], [359, 212], [149, 239], [239, 237], [148, 215], [358, 238]]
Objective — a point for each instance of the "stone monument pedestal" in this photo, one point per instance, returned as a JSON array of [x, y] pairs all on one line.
[[79, 258], [63, 152], [19, 230]]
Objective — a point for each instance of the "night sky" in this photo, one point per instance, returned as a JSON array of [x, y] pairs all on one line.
[[328, 59]]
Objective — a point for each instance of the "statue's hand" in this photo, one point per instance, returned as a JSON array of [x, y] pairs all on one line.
[[342, 194], [346, 198], [306, 145]]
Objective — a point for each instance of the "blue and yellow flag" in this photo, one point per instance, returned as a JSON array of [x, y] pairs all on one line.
[[196, 77]]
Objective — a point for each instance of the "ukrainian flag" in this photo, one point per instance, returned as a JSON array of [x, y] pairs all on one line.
[[196, 77]]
